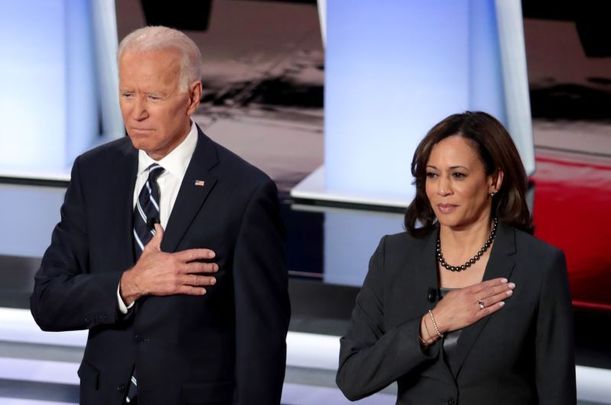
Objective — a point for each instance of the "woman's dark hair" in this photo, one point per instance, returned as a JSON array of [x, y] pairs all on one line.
[[498, 153]]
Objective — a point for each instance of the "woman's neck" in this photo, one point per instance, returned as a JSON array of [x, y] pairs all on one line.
[[459, 246], [458, 243]]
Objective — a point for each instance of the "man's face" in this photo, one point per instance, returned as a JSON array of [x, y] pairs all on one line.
[[156, 112]]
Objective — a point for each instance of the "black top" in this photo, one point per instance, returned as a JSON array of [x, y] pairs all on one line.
[[450, 339]]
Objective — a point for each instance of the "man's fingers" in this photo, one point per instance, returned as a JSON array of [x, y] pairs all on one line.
[[196, 280], [199, 281], [199, 267], [189, 290], [155, 242], [190, 255]]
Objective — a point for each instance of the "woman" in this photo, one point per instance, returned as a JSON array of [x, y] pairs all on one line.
[[466, 307]]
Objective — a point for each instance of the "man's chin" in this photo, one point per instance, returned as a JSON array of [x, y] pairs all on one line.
[[140, 143], [154, 153]]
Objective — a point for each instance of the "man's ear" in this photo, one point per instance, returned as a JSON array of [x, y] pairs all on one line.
[[195, 95]]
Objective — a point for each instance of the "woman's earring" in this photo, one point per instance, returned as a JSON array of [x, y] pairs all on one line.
[[491, 194]]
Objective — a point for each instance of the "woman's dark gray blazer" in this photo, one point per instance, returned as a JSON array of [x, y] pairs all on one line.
[[522, 354]]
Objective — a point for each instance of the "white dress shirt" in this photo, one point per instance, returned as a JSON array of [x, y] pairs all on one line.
[[175, 164]]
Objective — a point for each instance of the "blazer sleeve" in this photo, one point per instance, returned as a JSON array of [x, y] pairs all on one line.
[[66, 296], [372, 357], [555, 358], [261, 300]]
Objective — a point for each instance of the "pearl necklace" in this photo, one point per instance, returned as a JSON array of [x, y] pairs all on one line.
[[472, 260]]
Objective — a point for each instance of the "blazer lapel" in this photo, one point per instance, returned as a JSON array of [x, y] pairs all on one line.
[[500, 264], [195, 188], [416, 289], [127, 170], [427, 262]]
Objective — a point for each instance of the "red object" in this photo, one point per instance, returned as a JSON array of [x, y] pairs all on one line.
[[572, 211]]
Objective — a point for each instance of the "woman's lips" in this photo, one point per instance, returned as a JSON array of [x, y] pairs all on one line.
[[446, 208]]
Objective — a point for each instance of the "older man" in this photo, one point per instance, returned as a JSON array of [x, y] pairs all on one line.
[[169, 250]]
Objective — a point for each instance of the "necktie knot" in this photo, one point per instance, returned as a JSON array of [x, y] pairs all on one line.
[[155, 170]]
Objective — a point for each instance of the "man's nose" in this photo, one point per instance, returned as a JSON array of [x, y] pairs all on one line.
[[140, 108]]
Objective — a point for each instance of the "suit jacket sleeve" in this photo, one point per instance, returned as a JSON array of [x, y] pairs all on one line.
[[555, 361], [372, 357], [66, 296], [261, 300]]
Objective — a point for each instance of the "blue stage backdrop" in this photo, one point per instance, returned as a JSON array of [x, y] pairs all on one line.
[[58, 83]]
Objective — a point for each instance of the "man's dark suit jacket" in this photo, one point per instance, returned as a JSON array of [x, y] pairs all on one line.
[[522, 354], [226, 347]]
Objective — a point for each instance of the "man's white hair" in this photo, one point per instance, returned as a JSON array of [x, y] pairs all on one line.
[[158, 38]]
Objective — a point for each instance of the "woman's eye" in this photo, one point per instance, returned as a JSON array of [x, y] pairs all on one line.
[[459, 175], [431, 175]]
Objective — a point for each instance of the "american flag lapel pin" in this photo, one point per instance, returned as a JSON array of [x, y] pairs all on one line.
[[199, 183]]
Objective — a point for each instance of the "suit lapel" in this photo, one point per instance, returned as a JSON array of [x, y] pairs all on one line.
[[500, 264], [427, 262], [195, 188], [127, 170], [416, 284]]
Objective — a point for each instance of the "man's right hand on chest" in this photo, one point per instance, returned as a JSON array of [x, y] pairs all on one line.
[[160, 273]]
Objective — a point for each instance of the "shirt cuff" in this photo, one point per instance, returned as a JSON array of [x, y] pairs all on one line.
[[122, 307]]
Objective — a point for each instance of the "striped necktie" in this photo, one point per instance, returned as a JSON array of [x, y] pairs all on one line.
[[146, 215]]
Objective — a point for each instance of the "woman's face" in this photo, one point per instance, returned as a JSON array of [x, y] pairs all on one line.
[[457, 186]]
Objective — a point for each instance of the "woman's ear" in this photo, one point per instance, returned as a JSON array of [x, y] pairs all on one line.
[[496, 180]]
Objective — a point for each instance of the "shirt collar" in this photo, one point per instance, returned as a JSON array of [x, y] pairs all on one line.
[[175, 162]]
